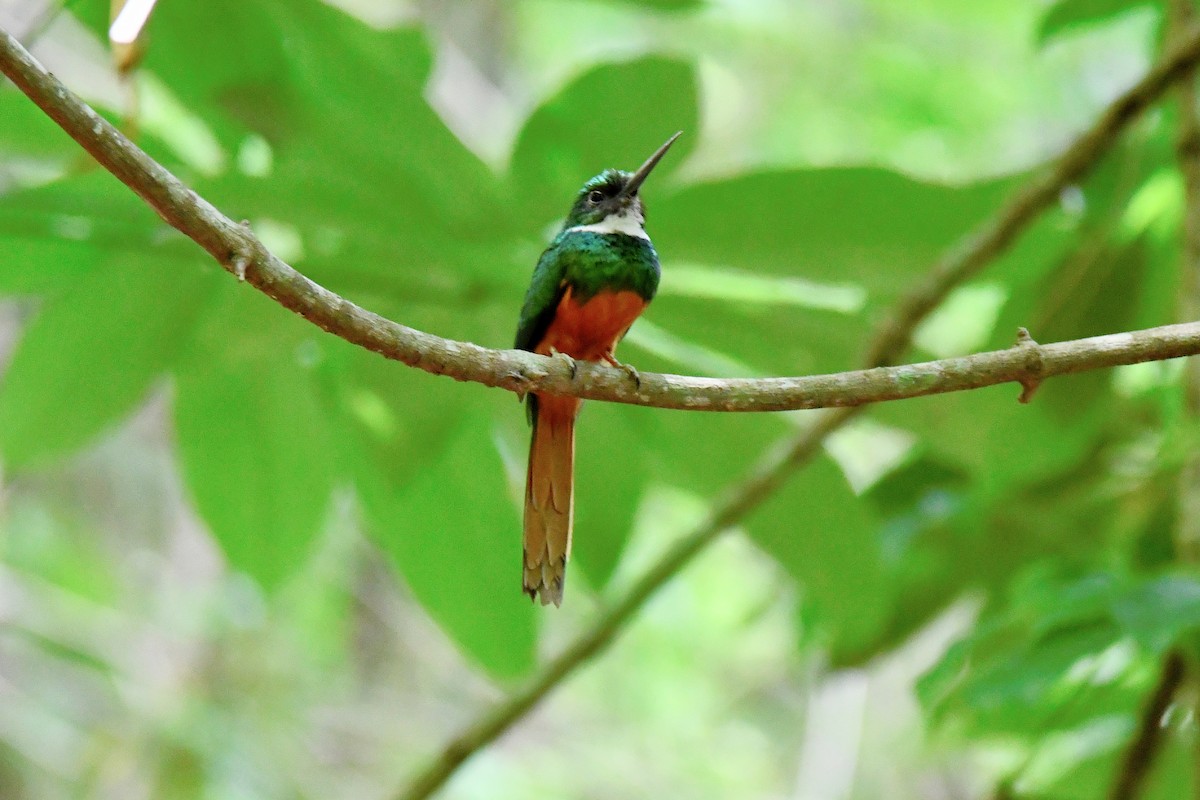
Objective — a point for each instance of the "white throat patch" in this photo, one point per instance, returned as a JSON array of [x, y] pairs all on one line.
[[628, 222]]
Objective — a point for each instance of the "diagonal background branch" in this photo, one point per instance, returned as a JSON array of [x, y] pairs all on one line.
[[1139, 758], [236, 248]]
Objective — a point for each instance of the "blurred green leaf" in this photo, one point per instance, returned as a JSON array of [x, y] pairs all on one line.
[[614, 116], [998, 440], [668, 5], [90, 356], [860, 226], [827, 539], [703, 452], [1158, 612], [453, 533], [421, 217], [437, 500], [1063, 651], [27, 131], [56, 265], [1170, 778], [772, 340], [254, 441], [374, 89], [942, 533], [215, 56], [89, 210], [862, 229], [1068, 16], [611, 472], [54, 235]]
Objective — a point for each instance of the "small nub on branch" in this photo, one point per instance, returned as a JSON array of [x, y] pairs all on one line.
[[1033, 364]]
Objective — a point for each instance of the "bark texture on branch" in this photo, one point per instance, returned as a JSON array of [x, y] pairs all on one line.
[[236, 248]]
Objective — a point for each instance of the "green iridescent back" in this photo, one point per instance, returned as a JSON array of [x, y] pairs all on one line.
[[589, 263]]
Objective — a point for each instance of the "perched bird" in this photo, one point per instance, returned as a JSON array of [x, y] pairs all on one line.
[[589, 286]]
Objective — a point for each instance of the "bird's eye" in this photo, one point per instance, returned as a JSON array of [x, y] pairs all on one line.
[[595, 196]]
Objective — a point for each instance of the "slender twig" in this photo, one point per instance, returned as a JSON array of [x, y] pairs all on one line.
[[1139, 758], [891, 338], [240, 252]]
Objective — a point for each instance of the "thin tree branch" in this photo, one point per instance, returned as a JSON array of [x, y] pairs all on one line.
[[1139, 758], [240, 252], [890, 339]]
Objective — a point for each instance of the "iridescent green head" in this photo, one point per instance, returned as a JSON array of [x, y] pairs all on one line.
[[613, 195]]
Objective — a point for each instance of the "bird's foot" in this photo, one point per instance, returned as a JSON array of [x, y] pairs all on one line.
[[571, 365], [628, 369]]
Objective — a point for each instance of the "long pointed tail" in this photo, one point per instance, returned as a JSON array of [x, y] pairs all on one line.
[[550, 498]]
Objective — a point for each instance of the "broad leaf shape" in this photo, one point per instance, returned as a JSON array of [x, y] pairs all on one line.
[[55, 234], [827, 539], [370, 96], [238, 62], [90, 356], [614, 116], [1068, 16], [27, 130], [861, 225], [863, 229], [998, 440], [1036, 664], [611, 471], [254, 442], [437, 500], [453, 533]]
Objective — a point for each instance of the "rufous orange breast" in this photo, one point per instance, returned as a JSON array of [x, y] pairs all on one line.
[[590, 330]]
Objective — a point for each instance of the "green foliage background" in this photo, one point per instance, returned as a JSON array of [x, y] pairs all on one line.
[[247, 559]]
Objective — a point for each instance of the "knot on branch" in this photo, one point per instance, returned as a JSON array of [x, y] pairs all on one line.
[[1034, 366], [531, 371], [517, 383], [246, 251]]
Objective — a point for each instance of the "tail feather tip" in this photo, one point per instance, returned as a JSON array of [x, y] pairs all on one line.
[[546, 591]]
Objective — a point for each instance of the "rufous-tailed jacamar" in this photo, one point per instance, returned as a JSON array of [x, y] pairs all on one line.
[[589, 286]]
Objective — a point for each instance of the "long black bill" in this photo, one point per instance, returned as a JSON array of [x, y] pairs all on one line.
[[639, 177]]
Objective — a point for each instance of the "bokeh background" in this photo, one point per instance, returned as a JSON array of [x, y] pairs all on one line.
[[241, 559]]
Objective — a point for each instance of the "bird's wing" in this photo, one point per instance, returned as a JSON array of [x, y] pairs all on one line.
[[542, 298]]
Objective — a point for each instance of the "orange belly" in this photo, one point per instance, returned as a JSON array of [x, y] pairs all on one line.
[[591, 330]]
